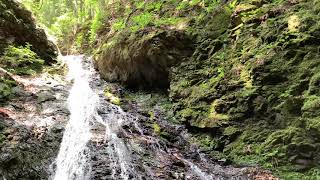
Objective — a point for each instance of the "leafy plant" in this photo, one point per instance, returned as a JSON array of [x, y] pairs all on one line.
[[141, 21], [97, 23], [119, 25]]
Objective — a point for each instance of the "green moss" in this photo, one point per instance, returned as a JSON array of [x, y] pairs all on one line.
[[312, 103], [112, 98], [6, 91], [231, 130], [156, 129], [206, 142], [21, 60], [265, 106]]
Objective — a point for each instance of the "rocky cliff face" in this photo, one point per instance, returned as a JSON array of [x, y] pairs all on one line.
[[143, 60], [249, 91], [17, 27], [253, 89]]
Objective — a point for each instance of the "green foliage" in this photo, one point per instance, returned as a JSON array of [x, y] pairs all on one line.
[[119, 25], [6, 86], [80, 38], [156, 128], [95, 25], [139, 4], [112, 97], [183, 5], [154, 6], [63, 25], [64, 18], [21, 60], [141, 21]]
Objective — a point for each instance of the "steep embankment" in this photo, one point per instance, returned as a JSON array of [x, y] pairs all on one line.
[[29, 103], [252, 90], [249, 91], [24, 48]]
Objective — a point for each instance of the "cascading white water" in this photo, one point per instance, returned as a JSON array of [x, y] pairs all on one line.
[[73, 158], [72, 161], [117, 150], [197, 171]]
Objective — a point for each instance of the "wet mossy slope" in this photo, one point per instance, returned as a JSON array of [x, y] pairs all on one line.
[[244, 75], [252, 92]]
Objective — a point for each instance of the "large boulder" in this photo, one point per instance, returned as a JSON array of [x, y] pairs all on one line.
[[17, 27], [143, 60]]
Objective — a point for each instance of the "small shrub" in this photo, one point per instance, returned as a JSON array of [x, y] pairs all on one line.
[[6, 86]]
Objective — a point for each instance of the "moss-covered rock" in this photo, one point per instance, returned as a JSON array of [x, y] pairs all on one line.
[[255, 85], [249, 91], [17, 27]]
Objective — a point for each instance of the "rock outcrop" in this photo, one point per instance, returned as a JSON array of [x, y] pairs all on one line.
[[17, 27], [31, 129], [143, 60]]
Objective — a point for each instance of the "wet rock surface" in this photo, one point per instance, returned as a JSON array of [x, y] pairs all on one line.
[[131, 147], [31, 130]]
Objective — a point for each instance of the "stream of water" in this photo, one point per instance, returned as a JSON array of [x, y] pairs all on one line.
[[74, 159]]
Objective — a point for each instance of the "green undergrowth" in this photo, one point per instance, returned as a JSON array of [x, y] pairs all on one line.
[[114, 99], [6, 89], [18, 60], [123, 19], [21, 60]]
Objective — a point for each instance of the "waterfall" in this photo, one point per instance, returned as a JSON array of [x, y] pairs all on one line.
[[73, 161], [98, 130]]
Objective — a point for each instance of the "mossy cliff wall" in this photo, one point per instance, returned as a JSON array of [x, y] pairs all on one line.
[[143, 60], [254, 90], [250, 90]]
